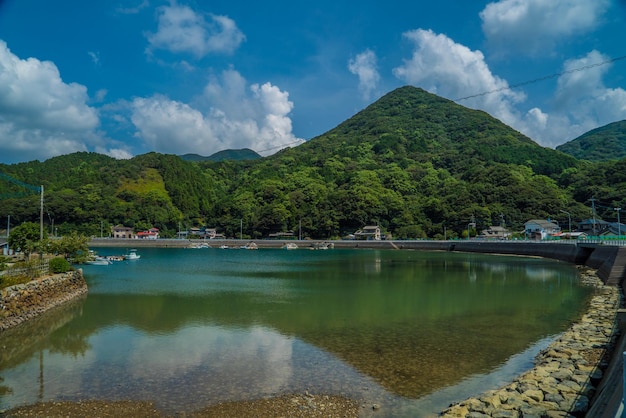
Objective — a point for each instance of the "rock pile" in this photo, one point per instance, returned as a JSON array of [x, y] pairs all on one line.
[[566, 373], [22, 302]]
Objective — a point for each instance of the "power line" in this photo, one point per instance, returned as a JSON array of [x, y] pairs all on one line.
[[547, 77]]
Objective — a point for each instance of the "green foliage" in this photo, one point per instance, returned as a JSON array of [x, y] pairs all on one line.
[[73, 246], [26, 238], [59, 265], [416, 164], [602, 144]]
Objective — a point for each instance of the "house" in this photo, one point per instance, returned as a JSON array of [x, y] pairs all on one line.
[[120, 231], [540, 229], [592, 226], [613, 228], [4, 246], [152, 233], [495, 232], [368, 233]]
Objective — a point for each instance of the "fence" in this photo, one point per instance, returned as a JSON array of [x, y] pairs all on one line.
[[32, 269]]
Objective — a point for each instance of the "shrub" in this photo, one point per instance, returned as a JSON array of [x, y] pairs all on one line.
[[59, 265]]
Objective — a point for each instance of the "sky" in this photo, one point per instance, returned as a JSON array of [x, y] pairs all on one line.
[[126, 77]]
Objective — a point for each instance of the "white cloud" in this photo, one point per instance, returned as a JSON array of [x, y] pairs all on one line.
[[133, 10], [533, 26], [229, 115], [452, 70], [181, 30], [40, 115], [581, 102], [364, 66]]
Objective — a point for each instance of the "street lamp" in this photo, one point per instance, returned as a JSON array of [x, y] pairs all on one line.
[[569, 217], [619, 225]]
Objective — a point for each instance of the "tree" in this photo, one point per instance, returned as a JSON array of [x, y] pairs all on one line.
[[74, 246], [26, 238]]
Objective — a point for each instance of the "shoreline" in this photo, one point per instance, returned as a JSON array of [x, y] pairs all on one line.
[[565, 379]]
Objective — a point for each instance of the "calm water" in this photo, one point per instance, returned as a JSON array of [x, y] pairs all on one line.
[[412, 331]]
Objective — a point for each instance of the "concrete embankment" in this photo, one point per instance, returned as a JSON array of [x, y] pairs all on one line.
[[22, 302], [566, 375]]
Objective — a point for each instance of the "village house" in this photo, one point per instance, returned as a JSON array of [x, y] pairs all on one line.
[[152, 233], [540, 229], [120, 231], [592, 226], [368, 233], [495, 232]]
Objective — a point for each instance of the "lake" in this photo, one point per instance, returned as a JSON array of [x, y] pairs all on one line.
[[409, 330]]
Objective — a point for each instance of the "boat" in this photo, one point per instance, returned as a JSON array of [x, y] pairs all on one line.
[[250, 246], [224, 247], [132, 255], [98, 261], [290, 246]]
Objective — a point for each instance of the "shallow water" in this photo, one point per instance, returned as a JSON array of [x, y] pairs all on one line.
[[412, 331]]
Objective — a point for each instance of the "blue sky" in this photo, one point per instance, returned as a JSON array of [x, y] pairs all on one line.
[[125, 77]]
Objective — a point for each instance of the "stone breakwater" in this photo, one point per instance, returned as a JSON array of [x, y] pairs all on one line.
[[566, 373], [22, 302]]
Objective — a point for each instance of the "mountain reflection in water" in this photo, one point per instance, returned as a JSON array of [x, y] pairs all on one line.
[[186, 328]]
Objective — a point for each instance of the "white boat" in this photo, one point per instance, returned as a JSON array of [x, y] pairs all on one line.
[[290, 246], [99, 261], [224, 247], [132, 255], [250, 246]]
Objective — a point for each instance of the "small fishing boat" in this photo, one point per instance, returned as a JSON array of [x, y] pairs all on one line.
[[290, 246], [132, 255], [98, 261]]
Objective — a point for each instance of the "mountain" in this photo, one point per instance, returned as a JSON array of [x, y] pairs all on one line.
[[230, 154], [417, 165], [602, 144], [410, 124]]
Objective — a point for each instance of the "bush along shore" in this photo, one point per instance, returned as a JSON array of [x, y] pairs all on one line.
[[22, 302], [566, 373]]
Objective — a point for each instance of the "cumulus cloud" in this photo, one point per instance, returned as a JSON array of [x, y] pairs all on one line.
[[182, 30], [533, 26], [229, 115], [364, 66], [452, 70], [40, 115], [581, 102]]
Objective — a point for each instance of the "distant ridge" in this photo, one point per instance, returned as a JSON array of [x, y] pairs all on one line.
[[602, 144], [229, 154]]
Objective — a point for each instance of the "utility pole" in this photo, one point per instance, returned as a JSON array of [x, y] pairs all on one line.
[[619, 225], [41, 216], [593, 213]]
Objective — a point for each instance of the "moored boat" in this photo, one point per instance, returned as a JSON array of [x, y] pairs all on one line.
[[132, 255]]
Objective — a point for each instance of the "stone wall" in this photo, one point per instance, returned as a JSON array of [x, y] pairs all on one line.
[[22, 302], [566, 374]]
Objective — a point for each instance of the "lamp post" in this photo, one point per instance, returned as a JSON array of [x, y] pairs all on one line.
[[619, 225], [569, 217]]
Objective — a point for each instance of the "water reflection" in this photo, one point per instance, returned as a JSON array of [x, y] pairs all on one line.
[[190, 328]]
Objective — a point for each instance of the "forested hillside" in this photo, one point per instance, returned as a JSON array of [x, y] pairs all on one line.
[[601, 144], [412, 162]]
